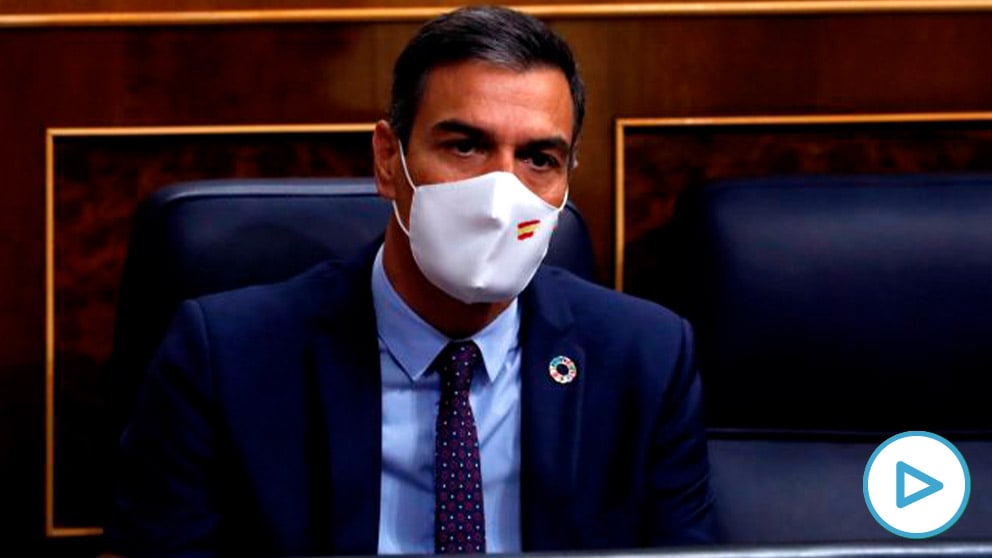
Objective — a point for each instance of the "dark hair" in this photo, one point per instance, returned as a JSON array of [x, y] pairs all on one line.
[[493, 34]]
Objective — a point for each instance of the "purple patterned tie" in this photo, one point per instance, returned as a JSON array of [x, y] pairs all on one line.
[[459, 518]]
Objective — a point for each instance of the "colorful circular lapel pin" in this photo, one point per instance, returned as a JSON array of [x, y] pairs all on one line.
[[562, 369]]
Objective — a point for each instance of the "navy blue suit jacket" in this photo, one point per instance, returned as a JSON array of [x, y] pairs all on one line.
[[258, 431]]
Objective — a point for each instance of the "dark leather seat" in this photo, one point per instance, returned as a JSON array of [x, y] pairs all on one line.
[[202, 237], [831, 313]]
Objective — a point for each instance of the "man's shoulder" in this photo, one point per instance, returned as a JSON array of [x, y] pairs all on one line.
[[288, 304], [609, 308]]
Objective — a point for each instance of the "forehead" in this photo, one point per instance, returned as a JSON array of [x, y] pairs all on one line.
[[509, 104]]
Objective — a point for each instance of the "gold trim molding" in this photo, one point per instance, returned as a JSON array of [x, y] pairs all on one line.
[[621, 125], [51, 135], [420, 13]]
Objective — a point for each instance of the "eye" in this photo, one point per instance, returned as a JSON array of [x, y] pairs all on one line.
[[542, 161], [463, 147]]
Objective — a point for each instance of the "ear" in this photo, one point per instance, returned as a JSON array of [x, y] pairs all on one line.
[[385, 159]]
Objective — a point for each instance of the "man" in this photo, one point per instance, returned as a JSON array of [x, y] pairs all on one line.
[[442, 393]]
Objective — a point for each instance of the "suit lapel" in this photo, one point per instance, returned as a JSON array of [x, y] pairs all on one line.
[[551, 417], [348, 381]]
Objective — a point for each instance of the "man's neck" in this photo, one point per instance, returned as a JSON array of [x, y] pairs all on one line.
[[448, 315]]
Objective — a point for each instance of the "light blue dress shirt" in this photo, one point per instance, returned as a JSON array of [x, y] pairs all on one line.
[[410, 397]]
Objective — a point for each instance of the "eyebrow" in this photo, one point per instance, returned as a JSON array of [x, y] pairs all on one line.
[[460, 127], [557, 143]]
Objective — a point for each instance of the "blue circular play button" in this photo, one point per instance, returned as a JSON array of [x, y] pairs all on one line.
[[916, 484]]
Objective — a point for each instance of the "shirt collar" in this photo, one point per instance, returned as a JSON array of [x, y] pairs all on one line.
[[414, 343]]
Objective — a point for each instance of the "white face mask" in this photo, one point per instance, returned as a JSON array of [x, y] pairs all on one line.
[[480, 239]]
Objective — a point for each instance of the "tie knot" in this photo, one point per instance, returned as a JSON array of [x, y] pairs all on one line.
[[456, 364]]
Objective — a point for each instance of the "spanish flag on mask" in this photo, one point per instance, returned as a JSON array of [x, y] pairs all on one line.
[[526, 229]]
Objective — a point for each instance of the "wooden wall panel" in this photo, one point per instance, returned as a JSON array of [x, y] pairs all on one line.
[[874, 61], [663, 161], [111, 6], [23, 12]]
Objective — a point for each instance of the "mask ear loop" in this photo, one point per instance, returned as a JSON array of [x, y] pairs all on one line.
[[409, 181], [565, 199]]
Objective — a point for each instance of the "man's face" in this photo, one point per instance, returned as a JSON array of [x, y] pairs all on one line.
[[475, 118]]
